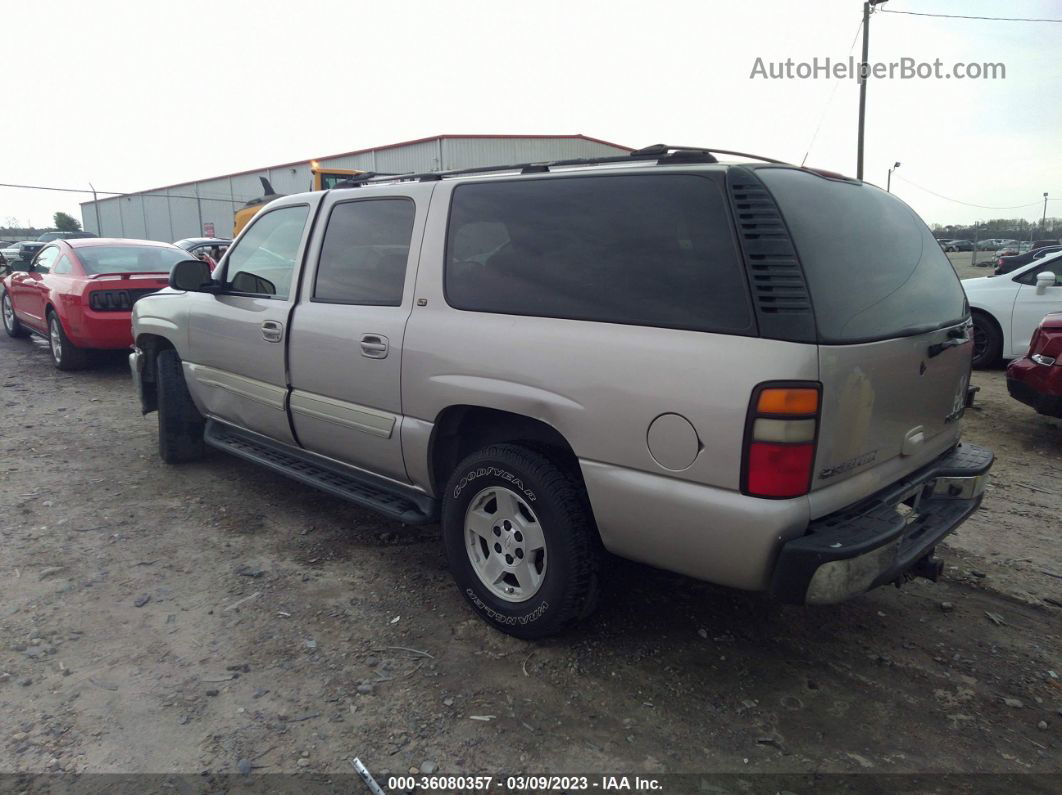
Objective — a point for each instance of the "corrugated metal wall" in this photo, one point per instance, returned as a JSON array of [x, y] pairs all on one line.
[[182, 210]]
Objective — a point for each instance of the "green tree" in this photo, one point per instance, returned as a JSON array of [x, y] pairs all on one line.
[[66, 223]]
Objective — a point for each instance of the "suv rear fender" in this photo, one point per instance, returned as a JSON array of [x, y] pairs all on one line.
[[460, 430]]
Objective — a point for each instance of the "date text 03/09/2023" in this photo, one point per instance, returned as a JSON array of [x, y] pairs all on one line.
[[605, 783]]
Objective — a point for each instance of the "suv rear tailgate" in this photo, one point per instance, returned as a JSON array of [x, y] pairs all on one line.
[[888, 408], [892, 326]]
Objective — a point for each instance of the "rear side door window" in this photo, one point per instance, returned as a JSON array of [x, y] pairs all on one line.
[[263, 261], [364, 253], [648, 250]]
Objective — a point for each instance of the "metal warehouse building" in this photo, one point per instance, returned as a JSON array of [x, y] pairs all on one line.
[[192, 209]]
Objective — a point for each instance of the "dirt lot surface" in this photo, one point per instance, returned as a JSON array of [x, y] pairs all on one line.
[[217, 617]]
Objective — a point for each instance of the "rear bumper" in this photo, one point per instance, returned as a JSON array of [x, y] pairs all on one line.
[[877, 540], [104, 330], [1036, 385]]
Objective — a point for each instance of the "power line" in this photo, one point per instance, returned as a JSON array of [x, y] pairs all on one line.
[[963, 16], [969, 204], [829, 99], [112, 193]]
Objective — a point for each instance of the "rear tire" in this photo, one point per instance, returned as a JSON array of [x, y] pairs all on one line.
[[988, 342], [65, 354], [12, 325], [180, 423], [532, 569]]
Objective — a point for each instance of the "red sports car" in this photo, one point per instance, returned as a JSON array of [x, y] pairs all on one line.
[[1036, 378], [78, 294]]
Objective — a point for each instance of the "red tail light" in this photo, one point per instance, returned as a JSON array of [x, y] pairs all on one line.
[[780, 437]]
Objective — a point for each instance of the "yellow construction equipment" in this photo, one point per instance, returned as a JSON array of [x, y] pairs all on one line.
[[322, 179]]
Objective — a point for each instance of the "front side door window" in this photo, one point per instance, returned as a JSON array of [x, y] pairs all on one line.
[[263, 261]]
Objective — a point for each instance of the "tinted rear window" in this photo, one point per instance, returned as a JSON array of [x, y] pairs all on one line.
[[129, 259], [872, 265], [653, 250]]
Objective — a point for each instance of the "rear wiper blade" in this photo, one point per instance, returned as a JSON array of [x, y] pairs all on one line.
[[914, 331]]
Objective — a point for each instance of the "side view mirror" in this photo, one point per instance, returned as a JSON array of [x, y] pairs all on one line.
[[1044, 279], [192, 275]]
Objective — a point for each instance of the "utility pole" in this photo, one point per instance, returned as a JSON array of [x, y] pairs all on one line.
[[1043, 221], [96, 206], [888, 180], [863, 65]]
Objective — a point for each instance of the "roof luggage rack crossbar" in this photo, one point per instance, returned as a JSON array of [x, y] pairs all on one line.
[[661, 153]]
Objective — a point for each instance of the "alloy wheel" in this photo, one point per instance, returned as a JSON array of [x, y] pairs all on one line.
[[980, 342], [9, 313], [55, 337], [505, 544]]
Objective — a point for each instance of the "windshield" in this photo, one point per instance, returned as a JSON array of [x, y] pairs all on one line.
[[329, 180], [129, 259], [872, 265]]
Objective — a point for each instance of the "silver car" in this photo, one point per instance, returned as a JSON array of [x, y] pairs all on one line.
[[17, 256], [752, 374]]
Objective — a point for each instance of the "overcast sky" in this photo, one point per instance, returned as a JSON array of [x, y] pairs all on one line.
[[138, 95]]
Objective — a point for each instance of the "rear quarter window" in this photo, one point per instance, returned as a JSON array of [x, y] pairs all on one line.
[[653, 250], [874, 270]]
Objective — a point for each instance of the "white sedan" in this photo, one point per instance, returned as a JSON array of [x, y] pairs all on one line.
[[1007, 309]]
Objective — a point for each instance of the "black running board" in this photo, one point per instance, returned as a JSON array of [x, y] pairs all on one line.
[[405, 505]]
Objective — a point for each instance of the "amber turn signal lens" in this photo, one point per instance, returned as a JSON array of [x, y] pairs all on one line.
[[788, 401]]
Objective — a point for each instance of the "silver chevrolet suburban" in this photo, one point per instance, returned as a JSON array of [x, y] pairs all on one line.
[[747, 372]]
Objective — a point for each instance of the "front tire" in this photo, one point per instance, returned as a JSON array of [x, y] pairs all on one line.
[[988, 342], [521, 542], [65, 354], [12, 325], [180, 423]]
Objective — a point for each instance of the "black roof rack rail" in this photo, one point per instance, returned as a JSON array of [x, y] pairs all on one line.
[[661, 153], [680, 152], [365, 176]]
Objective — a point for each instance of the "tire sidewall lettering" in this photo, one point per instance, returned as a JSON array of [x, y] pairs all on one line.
[[502, 618], [493, 471]]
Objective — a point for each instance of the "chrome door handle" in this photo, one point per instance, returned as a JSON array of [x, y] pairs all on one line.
[[272, 331], [374, 346]]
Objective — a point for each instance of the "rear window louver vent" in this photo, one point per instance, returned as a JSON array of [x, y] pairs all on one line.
[[776, 278]]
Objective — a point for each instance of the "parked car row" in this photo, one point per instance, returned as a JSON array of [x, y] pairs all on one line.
[[1010, 262], [1007, 309], [14, 252], [19, 253], [78, 291]]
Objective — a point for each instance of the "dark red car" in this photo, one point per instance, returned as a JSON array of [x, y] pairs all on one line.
[[1036, 378], [78, 294]]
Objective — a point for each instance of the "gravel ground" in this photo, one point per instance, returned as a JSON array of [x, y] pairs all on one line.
[[217, 617]]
